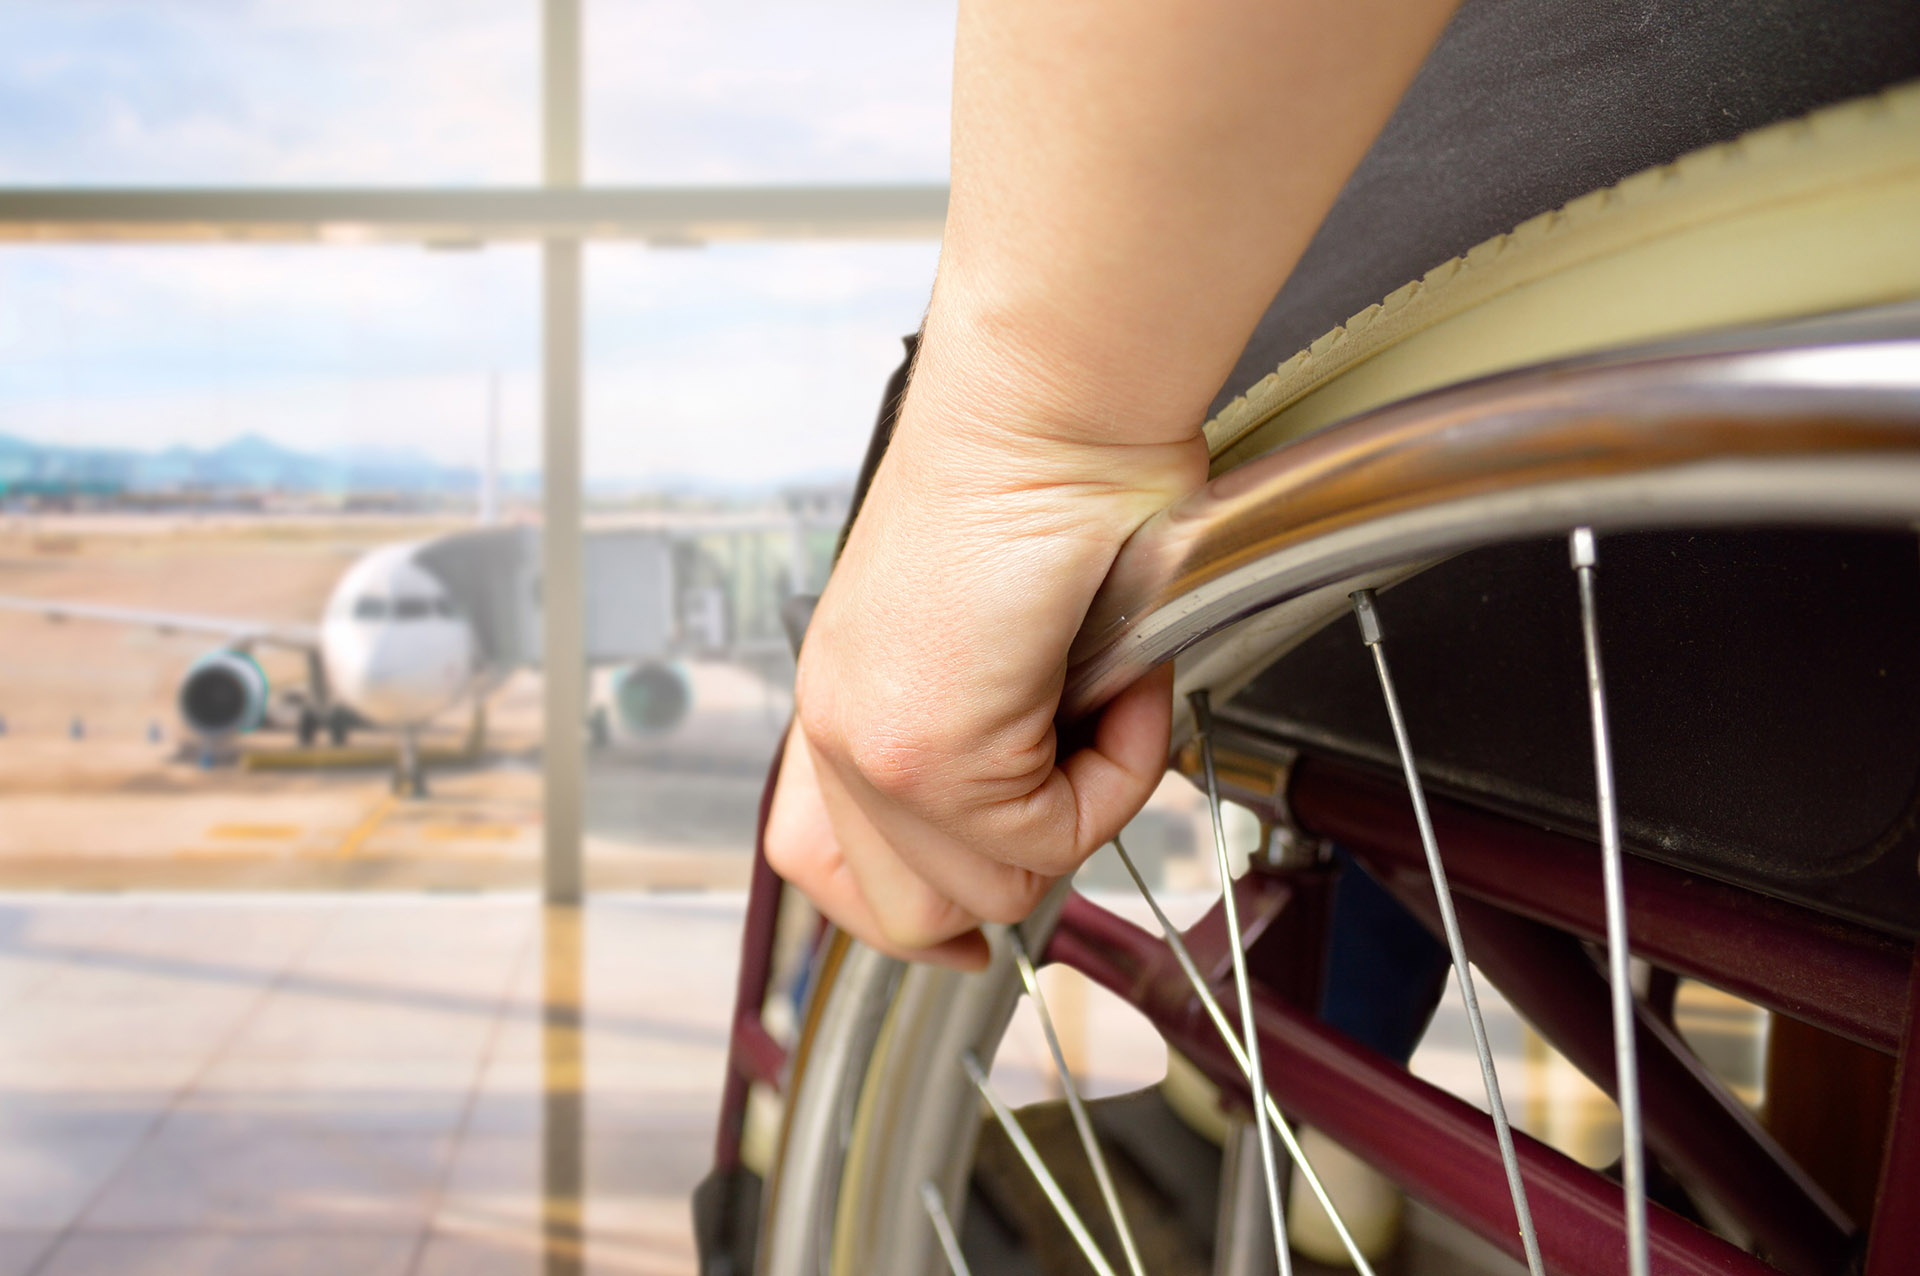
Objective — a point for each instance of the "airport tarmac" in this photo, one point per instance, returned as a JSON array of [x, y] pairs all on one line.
[[101, 791], [673, 813]]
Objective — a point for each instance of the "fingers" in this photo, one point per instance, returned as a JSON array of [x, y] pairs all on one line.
[[899, 856], [998, 852], [1114, 776], [919, 892], [802, 848], [908, 912]]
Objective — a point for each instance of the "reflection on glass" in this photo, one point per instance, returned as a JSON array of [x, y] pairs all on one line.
[[563, 1058]]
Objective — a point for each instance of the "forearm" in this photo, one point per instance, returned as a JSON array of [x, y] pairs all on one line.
[[1132, 181]]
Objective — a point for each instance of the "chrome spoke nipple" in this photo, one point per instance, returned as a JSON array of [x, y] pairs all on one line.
[[1369, 617], [1581, 548]]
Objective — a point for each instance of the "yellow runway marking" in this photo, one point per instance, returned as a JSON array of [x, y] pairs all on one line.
[[469, 832], [351, 844], [253, 832]]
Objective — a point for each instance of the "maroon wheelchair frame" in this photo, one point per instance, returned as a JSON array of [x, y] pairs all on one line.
[[1528, 902]]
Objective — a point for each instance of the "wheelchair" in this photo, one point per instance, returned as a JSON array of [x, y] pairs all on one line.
[[1586, 563]]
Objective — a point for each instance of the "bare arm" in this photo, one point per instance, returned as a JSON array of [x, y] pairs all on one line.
[[1132, 181]]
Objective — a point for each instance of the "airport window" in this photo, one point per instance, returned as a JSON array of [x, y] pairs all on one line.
[[249, 421], [757, 368], [802, 337], [296, 380]]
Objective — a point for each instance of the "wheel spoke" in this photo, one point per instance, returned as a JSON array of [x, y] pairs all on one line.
[[1075, 1107], [1585, 557], [1372, 636], [1069, 1216], [1241, 1245], [1231, 1040], [943, 1228], [1256, 1079]]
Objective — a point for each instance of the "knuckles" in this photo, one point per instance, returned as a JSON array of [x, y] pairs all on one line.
[[870, 736], [971, 787]]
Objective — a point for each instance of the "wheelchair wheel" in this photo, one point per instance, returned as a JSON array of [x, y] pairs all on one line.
[[1752, 422]]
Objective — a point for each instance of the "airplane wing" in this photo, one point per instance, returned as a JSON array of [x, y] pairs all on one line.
[[232, 629]]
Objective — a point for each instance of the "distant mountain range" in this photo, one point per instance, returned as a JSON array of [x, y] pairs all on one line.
[[254, 464], [248, 463]]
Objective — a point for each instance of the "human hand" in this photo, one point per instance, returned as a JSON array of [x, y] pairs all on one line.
[[923, 790]]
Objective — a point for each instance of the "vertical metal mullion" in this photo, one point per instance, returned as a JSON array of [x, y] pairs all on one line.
[[562, 592]]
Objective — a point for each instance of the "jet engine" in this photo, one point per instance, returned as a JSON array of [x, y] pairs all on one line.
[[652, 698], [223, 694]]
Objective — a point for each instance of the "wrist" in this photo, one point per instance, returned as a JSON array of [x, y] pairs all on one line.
[[1011, 364], [959, 479]]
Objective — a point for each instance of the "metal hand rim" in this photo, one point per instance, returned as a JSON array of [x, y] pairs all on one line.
[[1686, 433]]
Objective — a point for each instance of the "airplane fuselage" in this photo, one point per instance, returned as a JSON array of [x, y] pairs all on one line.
[[394, 647]]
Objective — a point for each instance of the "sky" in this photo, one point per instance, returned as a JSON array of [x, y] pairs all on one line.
[[749, 363]]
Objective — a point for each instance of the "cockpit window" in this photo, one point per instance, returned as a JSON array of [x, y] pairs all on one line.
[[404, 607]]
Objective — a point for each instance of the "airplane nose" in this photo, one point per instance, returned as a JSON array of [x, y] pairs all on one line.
[[388, 684], [366, 674], [405, 674]]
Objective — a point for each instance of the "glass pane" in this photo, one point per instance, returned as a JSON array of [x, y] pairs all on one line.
[[730, 395], [760, 91], [742, 367], [222, 466], [361, 355], [274, 92]]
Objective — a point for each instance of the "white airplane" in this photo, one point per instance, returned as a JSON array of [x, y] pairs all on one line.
[[392, 642], [392, 649], [412, 629]]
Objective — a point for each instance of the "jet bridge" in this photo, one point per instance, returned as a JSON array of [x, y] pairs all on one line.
[[642, 600]]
